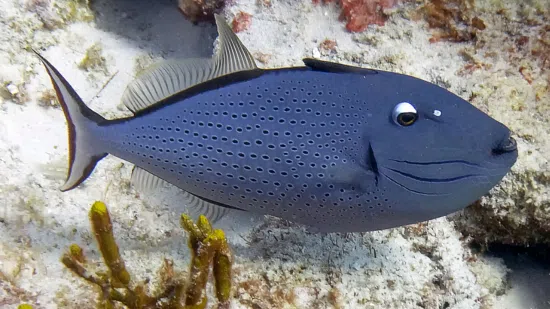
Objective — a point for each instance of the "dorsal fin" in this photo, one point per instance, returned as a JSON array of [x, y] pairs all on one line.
[[146, 183], [232, 55], [167, 78], [327, 66]]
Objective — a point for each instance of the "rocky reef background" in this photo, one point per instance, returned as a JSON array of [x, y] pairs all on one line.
[[495, 53]]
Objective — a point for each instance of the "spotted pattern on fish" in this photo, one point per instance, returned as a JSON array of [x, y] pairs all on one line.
[[264, 144]]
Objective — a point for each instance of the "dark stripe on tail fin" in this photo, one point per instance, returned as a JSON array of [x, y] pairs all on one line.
[[83, 155]]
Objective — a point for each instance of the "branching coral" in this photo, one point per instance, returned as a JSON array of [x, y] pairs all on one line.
[[208, 246]]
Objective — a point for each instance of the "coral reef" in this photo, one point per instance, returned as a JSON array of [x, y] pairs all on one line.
[[208, 247], [200, 10], [515, 221], [241, 22], [517, 212], [452, 20], [359, 14], [57, 14], [328, 46]]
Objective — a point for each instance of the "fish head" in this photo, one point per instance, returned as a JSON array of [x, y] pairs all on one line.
[[434, 152]]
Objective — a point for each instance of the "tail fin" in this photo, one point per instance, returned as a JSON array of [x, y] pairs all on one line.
[[83, 155]]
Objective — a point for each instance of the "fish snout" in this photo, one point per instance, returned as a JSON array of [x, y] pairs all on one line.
[[506, 145]]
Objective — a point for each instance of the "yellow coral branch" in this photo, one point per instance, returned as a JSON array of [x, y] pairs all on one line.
[[195, 234], [204, 226], [208, 246], [77, 253], [103, 230], [222, 273]]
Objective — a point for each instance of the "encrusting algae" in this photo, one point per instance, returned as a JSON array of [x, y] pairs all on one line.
[[208, 247]]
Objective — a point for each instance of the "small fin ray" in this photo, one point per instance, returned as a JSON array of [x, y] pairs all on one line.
[[233, 56], [199, 206], [165, 79], [147, 182]]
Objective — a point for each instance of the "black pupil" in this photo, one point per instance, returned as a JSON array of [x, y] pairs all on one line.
[[407, 118]]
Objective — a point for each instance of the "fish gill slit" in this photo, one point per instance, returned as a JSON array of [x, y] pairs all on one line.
[[372, 164]]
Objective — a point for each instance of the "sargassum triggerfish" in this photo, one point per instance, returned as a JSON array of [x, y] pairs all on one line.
[[335, 147]]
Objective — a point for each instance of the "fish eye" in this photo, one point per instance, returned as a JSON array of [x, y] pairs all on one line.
[[404, 114]]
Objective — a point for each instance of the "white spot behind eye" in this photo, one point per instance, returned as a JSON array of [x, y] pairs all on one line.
[[437, 113]]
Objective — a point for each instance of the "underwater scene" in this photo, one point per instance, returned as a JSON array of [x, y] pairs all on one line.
[[275, 154]]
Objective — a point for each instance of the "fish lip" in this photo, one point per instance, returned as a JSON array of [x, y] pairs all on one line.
[[506, 145]]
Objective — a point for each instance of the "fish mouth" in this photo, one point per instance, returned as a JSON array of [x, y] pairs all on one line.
[[507, 145]]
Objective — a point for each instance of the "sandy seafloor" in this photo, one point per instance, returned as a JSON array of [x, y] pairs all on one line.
[[277, 264]]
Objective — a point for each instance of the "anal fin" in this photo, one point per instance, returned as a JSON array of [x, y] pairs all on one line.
[[199, 206], [147, 183]]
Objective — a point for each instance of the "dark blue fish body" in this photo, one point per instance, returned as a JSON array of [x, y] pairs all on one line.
[[333, 147], [270, 145]]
